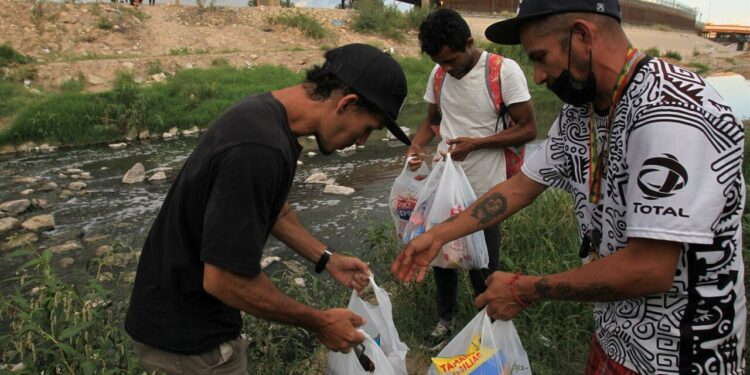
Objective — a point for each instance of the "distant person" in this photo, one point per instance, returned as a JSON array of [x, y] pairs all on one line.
[[200, 264], [652, 157], [151, 2], [475, 129]]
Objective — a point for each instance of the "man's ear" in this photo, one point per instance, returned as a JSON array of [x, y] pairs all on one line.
[[583, 29], [345, 101], [469, 43]]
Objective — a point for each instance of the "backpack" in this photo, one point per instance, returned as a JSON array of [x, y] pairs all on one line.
[[513, 155]]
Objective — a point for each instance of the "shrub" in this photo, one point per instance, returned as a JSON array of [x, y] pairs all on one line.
[[9, 56], [76, 84], [673, 55], [220, 62], [104, 23], [310, 27], [125, 108], [154, 67], [653, 51], [700, 68], [373, 17]]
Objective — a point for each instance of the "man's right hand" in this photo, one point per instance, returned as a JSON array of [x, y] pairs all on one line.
[[415, 156], [338, 330], [413, 261]]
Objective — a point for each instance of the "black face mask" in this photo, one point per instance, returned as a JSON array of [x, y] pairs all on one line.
[[571, 90]]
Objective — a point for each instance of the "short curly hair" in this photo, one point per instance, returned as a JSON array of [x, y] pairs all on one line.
[[443, 27], [320, 84]]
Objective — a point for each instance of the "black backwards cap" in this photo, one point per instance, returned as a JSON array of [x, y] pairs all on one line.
[[507, 31], [375, 76]]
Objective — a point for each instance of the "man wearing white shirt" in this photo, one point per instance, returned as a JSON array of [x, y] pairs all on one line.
[[472, 130]]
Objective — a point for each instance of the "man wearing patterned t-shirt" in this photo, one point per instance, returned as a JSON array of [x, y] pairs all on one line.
[[652, 156]]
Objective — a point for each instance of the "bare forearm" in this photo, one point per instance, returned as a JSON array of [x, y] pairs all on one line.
[[515, 136], [259, 297], [629, 273], [290, 231], [493, 207]]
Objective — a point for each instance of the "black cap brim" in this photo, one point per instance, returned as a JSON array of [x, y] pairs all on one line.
[[505, 32], [396, 130]]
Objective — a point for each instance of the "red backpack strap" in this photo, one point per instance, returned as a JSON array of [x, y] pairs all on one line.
[[492, 70], [513, 155]]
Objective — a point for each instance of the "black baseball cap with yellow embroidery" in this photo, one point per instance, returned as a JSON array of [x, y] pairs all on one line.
[[507, 31], [374, 75]]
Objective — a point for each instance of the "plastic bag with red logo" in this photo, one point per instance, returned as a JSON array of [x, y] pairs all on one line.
[[453, 195], [405, 193]]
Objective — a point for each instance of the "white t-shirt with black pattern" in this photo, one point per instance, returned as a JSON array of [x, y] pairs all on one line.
[[674, 173]]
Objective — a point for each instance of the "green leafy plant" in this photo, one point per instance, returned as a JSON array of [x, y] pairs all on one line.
[[653, 51], [310, 27], [154, 67], [673, 55], [104, 23]]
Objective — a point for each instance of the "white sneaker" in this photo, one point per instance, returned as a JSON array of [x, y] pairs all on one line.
[[440, 336]]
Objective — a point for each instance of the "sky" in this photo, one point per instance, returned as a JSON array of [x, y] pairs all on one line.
[[735, 12]]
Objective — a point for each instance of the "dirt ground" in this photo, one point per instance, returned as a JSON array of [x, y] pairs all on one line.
[[66, 39]]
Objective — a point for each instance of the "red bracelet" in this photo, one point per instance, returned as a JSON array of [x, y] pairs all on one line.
[[513, 291]]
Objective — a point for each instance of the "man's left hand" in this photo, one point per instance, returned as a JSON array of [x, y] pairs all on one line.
[[499, 299], [461, 147], [349, 271]]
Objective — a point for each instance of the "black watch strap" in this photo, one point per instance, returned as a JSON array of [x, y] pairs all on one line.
[[324, 258]]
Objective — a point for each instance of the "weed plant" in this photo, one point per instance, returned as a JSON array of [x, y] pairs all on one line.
[[13, 97], [308, 25], [9, 56], [154, 67], [374, 17], [104, 23], [653, 52], [57, 327], [700, 68], [673, 55], [76, 84]]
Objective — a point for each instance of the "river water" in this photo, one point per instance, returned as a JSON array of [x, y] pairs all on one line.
[[111, 212]]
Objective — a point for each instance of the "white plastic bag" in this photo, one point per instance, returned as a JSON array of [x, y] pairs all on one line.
[[485, 348], [379, 326], [349, 364], [452, 194], [405, 193], [418, 220]]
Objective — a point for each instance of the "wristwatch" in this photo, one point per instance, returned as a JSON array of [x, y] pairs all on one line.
[[324, 258]]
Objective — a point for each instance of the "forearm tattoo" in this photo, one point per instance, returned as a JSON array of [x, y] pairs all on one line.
[[565, 291], [490, 208]]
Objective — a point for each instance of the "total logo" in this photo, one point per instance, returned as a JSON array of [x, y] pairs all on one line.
[[661, 177]]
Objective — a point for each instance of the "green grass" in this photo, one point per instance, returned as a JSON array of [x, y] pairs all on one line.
[[308, 25], [9, 56], [653, 52], [187, 51], [673, 55], [700, 68], [13, 97]]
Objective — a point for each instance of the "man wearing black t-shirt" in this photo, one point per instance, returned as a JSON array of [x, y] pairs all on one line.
[[201, 261]]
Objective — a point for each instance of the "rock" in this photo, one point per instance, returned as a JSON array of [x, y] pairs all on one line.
[[136, 174], [62, 175], [25, 180], [129, 277], [7, 224], [7, 149], [46, 147], [128, 65], [26, 147], [66, 247], [159, 77], [167, 136], [191, 131], [48, 186], [298, 281], [27, 191], [173, 131], [299, 162], [143, 134], [39, 223], [311, 154], [254, 57], [295, 267], [311, 137], [118, 146], [117, 259], [40, 203], [18, 367], [66, 194], [94, 80], [162, 169], [158, 177], [76, 186], [22, 239], [267, 261], [85, 176], [15, 207], [105, 276], [73, 171], [66, 262], [338, 190], [103, 250], [317, 178]]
